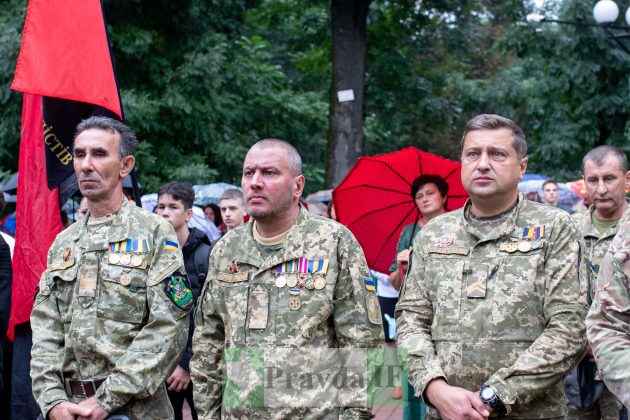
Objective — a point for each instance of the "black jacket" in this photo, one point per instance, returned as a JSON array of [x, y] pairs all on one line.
[[6, 282], [196, 253]]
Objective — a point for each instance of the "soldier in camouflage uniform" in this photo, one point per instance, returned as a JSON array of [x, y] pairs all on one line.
[[110, 318], [608, 320], [489, 313], [606, 175], [287, 282]]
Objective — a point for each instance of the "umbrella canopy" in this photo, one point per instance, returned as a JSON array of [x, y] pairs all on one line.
[[210, 193], [374, 200]]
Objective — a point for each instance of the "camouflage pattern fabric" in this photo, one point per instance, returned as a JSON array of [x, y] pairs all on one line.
[[593, 248], [594, 245], [246, 309], [498, 309], [101, 312], [608, 320]]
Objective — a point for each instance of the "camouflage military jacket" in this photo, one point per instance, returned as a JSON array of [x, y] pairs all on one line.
[[307, 296], [106, 311], [608, 320], [499, 309], [594, 245]]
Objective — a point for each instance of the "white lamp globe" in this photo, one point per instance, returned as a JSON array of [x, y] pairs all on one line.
[[605, 11], [628, 16]]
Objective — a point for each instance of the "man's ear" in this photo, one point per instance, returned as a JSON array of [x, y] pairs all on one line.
[[126, 165]]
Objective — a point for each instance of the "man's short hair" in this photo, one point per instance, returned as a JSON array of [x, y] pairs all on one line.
[[549, 181], [293, 157], [599, 154], [233, 194], [180, 191], [497, 122], [128, 141]]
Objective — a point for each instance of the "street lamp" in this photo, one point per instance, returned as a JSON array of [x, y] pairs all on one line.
[[605, 13]]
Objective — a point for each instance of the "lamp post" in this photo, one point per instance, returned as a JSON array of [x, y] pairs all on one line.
[[605, 13]]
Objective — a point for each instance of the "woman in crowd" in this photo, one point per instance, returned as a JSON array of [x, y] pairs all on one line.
[[429, 193]]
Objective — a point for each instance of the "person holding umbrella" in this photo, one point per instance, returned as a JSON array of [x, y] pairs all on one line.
[[429, 193]]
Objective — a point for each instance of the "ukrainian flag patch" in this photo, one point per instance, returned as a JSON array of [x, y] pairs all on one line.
[[171, 246]]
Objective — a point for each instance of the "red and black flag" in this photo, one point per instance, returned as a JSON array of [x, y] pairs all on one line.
[[66, 72]]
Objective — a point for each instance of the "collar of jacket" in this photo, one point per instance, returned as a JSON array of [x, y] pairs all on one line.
[[588, 230], [118, 231], [293, 247], [505, 229]]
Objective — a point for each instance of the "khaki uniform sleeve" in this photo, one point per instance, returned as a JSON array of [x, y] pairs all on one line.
[[206, 364], [414, 316], [608, 320], [48, 344], [354, 327], [157, 348], [562, 344]]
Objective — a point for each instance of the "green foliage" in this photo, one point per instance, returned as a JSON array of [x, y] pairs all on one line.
[[203, 80]]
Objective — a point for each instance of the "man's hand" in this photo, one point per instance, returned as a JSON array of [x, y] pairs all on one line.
[[179, 380], [97, 412], [455, 403], [68, 411]]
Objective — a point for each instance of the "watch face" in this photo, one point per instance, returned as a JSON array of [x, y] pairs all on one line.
[[487, 393]]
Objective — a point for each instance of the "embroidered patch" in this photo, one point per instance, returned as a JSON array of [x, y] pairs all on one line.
[[459, 250], [171, 246], [177, 288]]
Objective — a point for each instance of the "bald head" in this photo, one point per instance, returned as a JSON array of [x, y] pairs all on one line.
[[293, 157]]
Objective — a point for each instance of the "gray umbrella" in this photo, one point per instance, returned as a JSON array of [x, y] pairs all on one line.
[[210, 193]]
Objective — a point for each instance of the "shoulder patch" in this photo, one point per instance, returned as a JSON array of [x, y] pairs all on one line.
[[177, 288]]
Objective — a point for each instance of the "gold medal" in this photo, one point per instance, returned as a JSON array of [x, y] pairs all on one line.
[[524, 246], [292, 281], [136, 260], [281, 281], [295, 303], [125, 259], [114, 258], [320, 283], [125, 279]]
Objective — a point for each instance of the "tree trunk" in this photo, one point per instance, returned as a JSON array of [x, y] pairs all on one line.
[[345, 135]]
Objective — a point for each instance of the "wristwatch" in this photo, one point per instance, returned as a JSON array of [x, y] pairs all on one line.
[[489, 397]]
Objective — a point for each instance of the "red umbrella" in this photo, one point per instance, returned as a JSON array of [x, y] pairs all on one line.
[[374, 200]]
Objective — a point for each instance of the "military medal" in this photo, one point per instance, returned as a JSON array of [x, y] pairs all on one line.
[[281, 281], [309, 283], [511, 247], [136, 260], [292, 281], [295, 303], [294, 292], [320, 283], [524, 246], [114, 258], [445, 240], [125, 259], [300, 283], [125, 279]]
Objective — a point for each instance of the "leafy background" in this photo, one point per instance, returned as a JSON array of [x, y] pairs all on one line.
[[203, 80]]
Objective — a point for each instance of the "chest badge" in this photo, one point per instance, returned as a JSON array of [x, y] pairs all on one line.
[[446, 240]]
